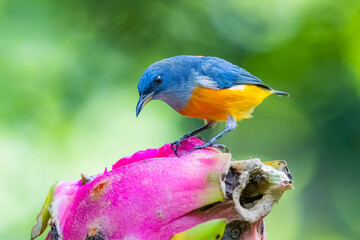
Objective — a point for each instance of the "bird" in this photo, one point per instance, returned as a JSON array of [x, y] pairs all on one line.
[[204, 87]]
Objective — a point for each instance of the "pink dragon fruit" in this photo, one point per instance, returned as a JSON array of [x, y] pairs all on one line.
[[157, 195]]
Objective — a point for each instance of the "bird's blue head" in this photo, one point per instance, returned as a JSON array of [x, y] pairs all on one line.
[[167, 80]]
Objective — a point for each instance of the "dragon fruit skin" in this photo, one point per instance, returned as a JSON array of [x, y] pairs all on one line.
[[117, 200], [152, 195]]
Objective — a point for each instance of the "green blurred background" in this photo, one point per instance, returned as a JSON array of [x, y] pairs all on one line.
[[68, 91]]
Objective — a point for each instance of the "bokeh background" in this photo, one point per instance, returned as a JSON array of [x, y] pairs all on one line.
[[68, 91]]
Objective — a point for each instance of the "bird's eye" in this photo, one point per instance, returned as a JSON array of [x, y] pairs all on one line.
[[157, 80]]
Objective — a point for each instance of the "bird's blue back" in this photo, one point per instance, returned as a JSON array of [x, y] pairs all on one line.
[[226, 74], [220, 72]]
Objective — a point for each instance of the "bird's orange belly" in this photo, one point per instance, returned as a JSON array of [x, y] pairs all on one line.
[[217, 104]]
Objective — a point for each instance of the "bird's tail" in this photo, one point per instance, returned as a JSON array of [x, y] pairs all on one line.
[[280, 93]]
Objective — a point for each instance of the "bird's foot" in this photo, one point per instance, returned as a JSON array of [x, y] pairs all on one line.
[[176, 144], [209, 144], [221, 147]]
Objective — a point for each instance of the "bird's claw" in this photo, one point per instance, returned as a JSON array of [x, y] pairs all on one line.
[[221, 147], [205, 145], [174, 146]]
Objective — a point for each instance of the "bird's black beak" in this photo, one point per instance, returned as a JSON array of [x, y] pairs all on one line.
[[143, 100]]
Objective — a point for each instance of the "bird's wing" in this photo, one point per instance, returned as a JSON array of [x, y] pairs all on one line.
[[217, 73]]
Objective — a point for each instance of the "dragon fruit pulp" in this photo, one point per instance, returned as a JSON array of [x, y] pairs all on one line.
[[157, 195]]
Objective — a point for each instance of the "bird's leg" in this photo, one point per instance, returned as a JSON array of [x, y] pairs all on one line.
[[230, 125], [176, 144]]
